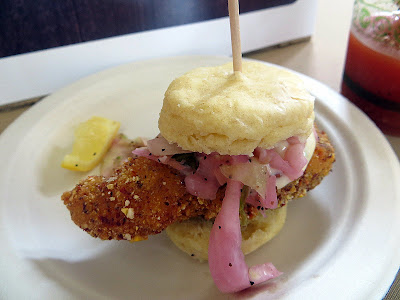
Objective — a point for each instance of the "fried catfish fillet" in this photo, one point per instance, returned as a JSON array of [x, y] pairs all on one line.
[[143, 197]]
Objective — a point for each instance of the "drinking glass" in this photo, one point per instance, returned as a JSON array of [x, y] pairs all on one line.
[[371, 77]]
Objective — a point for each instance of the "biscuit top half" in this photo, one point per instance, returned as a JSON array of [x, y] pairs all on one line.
[[213, 109]]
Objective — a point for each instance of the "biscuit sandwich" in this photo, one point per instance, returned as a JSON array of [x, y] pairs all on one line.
[[233, 149]]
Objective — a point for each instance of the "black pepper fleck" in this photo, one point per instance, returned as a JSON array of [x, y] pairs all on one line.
[[84, 208], [230, 264], [94, 153], [162, 150], [251, 282], [219, 227], [192, 254]]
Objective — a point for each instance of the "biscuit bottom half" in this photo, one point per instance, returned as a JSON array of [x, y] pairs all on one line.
[[192, 236]]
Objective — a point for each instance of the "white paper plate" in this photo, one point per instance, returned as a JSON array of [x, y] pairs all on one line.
[[341, 241]]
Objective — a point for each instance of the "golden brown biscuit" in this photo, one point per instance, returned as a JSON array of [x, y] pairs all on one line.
[[215, 110]]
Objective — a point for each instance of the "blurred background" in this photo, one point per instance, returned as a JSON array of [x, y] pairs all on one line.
[[49, 44], [36, 25]]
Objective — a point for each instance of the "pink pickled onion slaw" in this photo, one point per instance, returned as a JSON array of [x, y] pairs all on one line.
[[160, 146], [259, 172], [166, 160], [225, 257]]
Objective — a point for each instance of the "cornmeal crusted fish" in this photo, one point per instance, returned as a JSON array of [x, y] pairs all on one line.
[[143, 197]]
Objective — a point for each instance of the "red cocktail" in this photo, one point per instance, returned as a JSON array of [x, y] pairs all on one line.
[[371, 77]]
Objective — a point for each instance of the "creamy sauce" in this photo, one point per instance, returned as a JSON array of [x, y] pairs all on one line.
[[308, 153]]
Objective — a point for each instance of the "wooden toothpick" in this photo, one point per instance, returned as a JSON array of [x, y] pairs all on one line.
[[233, 8]]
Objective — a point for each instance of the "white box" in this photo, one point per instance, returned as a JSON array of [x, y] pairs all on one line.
[[42, 72]]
